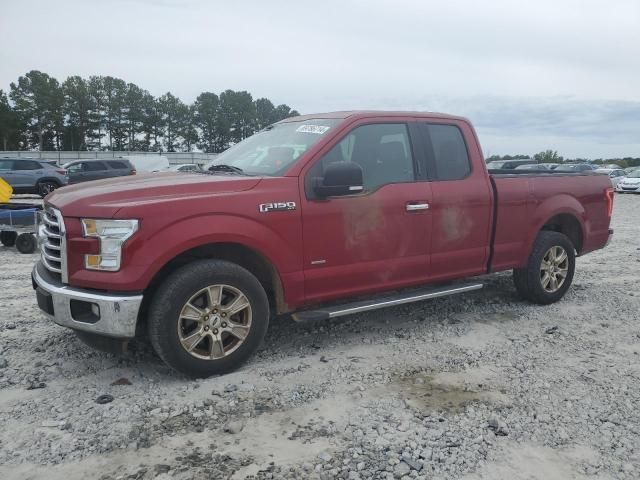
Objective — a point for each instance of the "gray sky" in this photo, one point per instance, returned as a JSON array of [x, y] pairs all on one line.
[[560, 74]]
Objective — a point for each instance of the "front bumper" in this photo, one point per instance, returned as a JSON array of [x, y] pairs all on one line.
[[628, 188], [112, 315]]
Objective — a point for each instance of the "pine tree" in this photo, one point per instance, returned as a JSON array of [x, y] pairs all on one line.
[[9, 125], [77, 109], [37, 102], [96, 125], [206, 113], [171, 114]]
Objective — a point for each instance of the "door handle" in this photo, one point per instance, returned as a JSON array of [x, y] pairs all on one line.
[[414, 207]]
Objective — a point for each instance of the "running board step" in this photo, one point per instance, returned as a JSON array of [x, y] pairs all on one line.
[[383, 302]]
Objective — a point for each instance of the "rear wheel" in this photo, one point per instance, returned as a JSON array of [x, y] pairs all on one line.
[[8, 238], [549, 270], [26, 243], [208, 318], [45, 187]]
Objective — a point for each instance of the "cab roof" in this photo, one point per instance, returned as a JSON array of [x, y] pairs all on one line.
[[357, 114]]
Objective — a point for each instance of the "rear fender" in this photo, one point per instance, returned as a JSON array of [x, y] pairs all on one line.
[[546, 210]]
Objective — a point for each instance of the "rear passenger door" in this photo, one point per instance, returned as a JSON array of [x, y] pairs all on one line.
[[26, 173], [374, 240], [461, 205]]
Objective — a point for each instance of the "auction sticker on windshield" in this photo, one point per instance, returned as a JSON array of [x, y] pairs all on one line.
[[318, 129]]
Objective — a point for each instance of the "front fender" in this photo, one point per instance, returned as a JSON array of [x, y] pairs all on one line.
[[144, 255]]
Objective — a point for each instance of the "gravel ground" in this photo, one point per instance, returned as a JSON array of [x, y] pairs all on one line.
[[480, 386]]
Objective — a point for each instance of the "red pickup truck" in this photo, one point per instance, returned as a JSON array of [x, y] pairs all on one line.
[[316, 216]]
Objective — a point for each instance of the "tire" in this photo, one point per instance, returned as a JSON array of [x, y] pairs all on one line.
[[530, 280], [213, 326], [8, 238], [103, 344], [26, 243], [45, 187]]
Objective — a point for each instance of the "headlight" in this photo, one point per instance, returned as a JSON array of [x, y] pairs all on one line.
[[112, 235]]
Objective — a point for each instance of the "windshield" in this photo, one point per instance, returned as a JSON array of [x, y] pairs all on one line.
[[272, 150], [634, 174]]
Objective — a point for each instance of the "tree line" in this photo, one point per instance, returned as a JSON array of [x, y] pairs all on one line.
[[551, 156], [108, 113]]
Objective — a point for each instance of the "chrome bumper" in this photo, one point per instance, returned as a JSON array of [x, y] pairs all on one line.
[[111, 315]]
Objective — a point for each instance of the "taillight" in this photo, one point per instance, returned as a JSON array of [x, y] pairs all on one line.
[[133, 172], [61, 172], [609, 195]]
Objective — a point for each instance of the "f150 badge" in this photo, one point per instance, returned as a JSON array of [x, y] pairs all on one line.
[[277, 206]]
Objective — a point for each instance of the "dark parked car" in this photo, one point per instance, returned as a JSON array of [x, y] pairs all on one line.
[[532, 166], [574, 167], [85, 170], [26, 175], [507, 164]]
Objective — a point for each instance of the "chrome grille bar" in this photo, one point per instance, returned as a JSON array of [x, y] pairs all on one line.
[[53, 242]]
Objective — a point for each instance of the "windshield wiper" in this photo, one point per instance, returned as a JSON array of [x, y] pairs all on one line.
[[226, 168]]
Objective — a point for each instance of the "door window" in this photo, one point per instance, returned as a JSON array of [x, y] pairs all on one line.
[[27, 165], [6, 165], [382, 150]]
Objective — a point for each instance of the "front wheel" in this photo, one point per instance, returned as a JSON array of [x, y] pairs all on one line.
[[208, 318], [549, 271]]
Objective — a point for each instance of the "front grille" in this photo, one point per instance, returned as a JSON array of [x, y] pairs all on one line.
[[52, 240]]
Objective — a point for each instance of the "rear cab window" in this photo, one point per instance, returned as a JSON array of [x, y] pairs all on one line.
[[446, 152]]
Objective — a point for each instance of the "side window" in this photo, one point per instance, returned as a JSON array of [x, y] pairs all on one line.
[[382, 150], [94, 166], [449, 152], [117, 165], [27, 165], [6, 165], [74, 168]]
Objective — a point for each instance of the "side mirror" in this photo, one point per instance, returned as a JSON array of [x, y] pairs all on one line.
[[340, 178]]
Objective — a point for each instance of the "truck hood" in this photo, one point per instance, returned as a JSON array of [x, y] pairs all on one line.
[[104, 198]]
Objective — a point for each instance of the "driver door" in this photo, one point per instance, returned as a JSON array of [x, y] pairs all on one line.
[[374, 240]]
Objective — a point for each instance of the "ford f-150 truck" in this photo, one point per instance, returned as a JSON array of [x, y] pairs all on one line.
[[316, 216]]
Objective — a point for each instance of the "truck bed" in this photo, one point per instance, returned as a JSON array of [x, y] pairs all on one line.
[[526, 200]]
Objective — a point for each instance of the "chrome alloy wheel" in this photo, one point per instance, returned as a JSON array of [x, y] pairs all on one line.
[[554, 268], [214, 322]]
